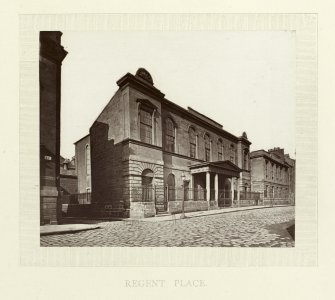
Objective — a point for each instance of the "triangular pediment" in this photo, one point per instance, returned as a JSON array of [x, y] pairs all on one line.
[[221, 167], [226, 164]]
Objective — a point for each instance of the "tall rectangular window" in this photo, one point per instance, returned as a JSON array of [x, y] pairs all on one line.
[[88, 160], [193, 142], [170, 136], [145, 126], [266, 169], [232, 153], [220, 147], [207, 148]]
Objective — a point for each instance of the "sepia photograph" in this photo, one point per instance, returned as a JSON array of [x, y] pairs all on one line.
[[167, 138]]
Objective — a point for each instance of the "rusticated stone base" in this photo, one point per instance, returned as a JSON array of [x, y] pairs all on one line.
[[276, 201], [189, 206], [140, 210], [213, 204]]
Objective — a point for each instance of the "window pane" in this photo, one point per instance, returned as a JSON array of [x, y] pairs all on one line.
[[207, 147], [145, 133], [220, 146], [88, 161], [192, 150], [207, 155], [145, 126], [170, 135], [193, 142]]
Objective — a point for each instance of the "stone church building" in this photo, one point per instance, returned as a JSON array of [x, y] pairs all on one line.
[[146, 155]]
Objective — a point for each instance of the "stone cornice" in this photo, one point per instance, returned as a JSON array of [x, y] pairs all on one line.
[[140, 84], [266, 155], [136, 142], [184, 112], [244, 140], [129, 80], [183, 156], [52, 50]]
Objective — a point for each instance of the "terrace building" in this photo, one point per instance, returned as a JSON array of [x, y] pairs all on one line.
[[273, 175]]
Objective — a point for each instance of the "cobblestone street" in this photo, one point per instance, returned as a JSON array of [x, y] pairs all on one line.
[[250, 228]]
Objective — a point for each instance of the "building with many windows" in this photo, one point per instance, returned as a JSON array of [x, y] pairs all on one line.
[[273, 175], [147, 155]]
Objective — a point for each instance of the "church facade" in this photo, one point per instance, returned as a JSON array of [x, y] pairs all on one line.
[[146, 155]]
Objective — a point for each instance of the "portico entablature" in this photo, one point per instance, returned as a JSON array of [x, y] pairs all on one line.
[[221, 167]]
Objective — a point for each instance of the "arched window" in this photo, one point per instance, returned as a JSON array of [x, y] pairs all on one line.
[[171, 187], [193, 142], [169, 135], [207, 147], [147, 189], [88, 160], [220, 149], [145, 125]]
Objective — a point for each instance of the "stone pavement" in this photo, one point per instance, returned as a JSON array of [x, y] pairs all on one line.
[[198, 213], [57, 229], [247, 228]]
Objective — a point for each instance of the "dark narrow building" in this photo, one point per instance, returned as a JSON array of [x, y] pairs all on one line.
[[50, 62]]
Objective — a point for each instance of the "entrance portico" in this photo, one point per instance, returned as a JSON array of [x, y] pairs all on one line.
[[218, 180]]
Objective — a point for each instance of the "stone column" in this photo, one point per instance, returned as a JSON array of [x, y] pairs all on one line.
[[216, 187], [208, 186], [232, 191], [238, 190]]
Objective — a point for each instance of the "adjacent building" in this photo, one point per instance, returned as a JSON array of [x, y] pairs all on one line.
[[83, 167], [50, 61], [68, 176], [273, 175], [146, 155]]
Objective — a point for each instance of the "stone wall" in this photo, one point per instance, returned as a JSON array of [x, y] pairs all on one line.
[[68, 184], [183, 123], [140, 210], [50, 61], [84, 179], [189, 206], [107, 166]]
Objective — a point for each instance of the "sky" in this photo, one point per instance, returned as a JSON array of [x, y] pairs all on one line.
[[243, 80]]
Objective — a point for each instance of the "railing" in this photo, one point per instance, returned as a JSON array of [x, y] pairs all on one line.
[[187, 194], [151, 193], [246, 195], [225, 197], [81, 198], [282, 195], [144, 193]]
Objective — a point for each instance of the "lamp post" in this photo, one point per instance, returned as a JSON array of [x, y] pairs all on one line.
[[182, 216]]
